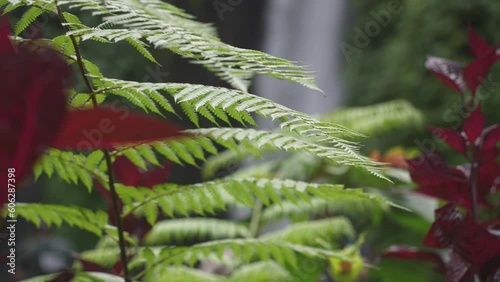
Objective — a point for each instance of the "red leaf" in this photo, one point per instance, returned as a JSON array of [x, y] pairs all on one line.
[[89, 266], [477, 44], [475, 72], [443, 231], [412, 253], [458, 270], [448, 72], [475, 244], [489, 179], [491, 137], [474, 125], [451, 137], [66, 276], [437, 180], [101, 128], [33, 105], [428, 168]]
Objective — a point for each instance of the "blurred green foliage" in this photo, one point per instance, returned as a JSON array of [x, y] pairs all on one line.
[[392, 64]]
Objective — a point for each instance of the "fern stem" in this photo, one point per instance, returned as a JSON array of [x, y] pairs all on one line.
[[473, 185], [107, 156], [254, 221]]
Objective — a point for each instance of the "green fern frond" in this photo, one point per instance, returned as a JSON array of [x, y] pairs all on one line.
[[260, 139], [210, 196], [181, 230], [378, 118], [141, 47], [27, 19], [308, 233], [224, 100], [304, 211], [105, 257], [155, 23], [11, 5], [80, 277], [264, 271], [182, 274], [180, 150], [50, 215], [192, 98], [247, 249], [72, 167]]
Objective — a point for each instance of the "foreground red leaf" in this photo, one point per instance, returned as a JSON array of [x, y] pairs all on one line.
[[33, 106], [102, 128]]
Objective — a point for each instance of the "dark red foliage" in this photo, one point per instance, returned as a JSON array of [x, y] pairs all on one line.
[[448, 72], [101, 128], [412, 253], [474, 251], [33, 105], [89, 266], [453, 138], [462, 78], [491, 137], [33, 115], [472, 133], [475, 247], [437, 180], [65, 276], [443, 231], [477, 44], [475, 72], [474, 125]]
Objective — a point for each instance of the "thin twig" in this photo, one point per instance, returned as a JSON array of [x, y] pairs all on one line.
[[107, 156], [473, 185]]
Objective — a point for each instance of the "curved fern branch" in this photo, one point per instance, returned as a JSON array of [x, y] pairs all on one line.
[[82, 218], [222, 102], [156, 23], [181, 230], [304, 211], [210, 196], [263, 271], [260, 138], [72, 167], [379, 118], [308, 233]]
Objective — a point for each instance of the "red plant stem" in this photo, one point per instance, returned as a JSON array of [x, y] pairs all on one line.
[[473, 184], [114, 195]]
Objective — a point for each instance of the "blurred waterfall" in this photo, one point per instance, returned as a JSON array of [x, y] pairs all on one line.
[[308, 32]]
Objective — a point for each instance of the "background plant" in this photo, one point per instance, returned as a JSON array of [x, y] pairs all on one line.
[[114, 162], [474, 249]]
